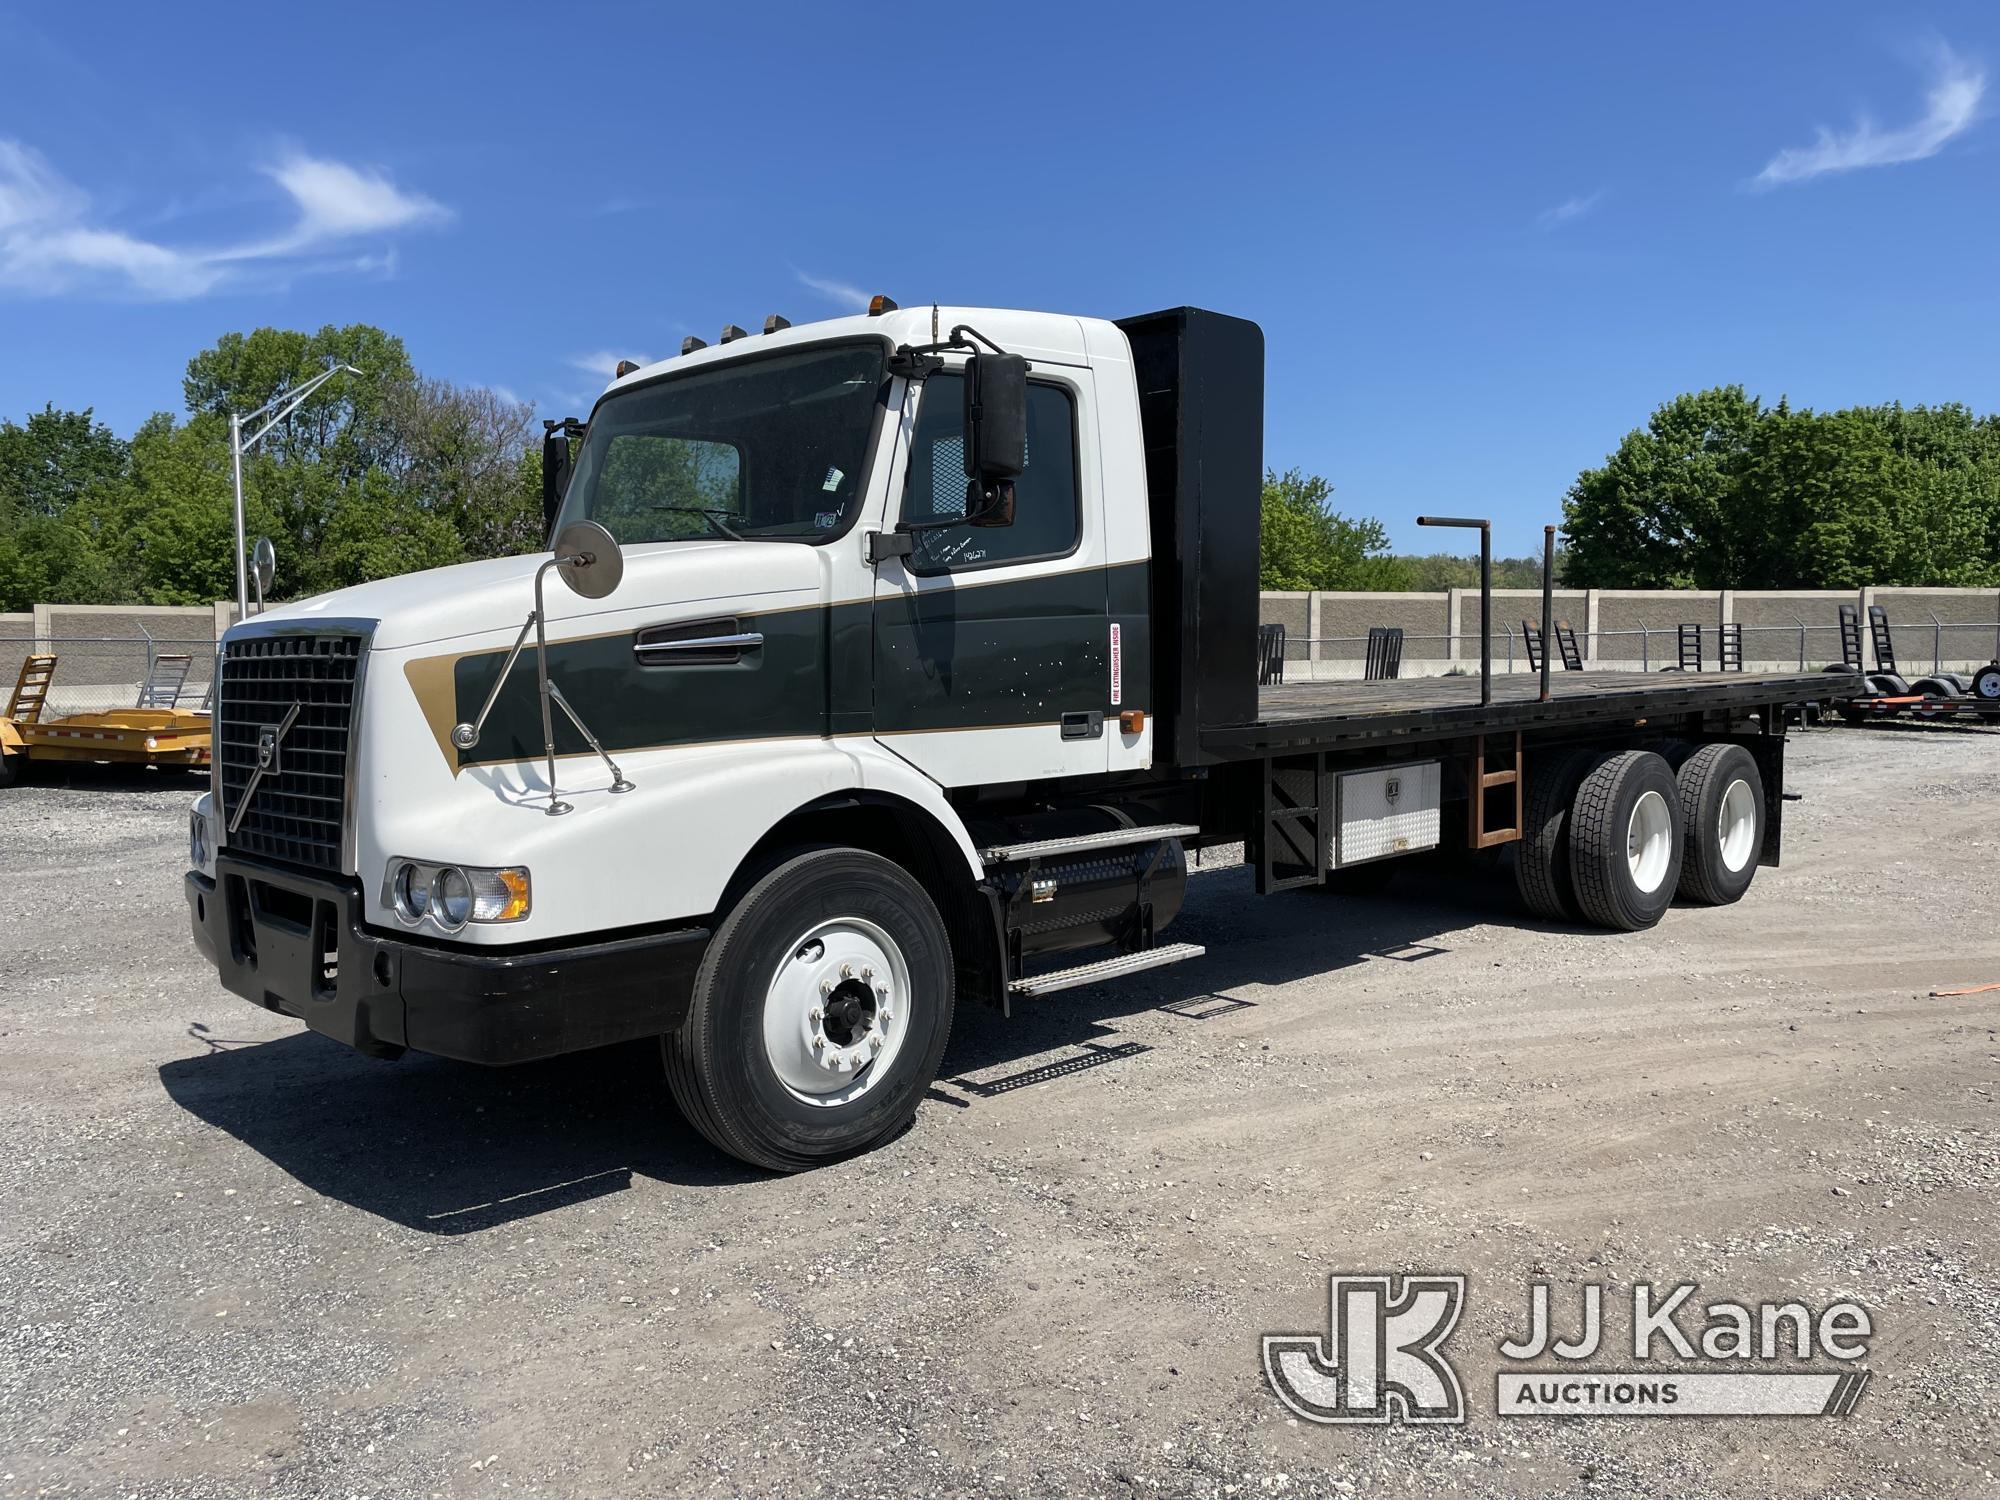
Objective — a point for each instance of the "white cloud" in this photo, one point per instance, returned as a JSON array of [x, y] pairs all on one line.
[[834, 291], [1568, 209], [1951, 107], [49, 244], [604, 362]]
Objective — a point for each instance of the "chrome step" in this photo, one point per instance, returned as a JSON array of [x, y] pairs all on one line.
[[1111, 838], [1105, 968]]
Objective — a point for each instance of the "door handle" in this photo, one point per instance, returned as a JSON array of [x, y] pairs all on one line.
[[1083, 726], [749, 640], [699, 643]]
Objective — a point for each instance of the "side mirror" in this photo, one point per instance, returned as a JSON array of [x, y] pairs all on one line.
[[996, 435], [588, 560], [555, 471], [263, 564]]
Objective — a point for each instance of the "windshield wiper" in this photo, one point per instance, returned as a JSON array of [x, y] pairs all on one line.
[[709, 514]]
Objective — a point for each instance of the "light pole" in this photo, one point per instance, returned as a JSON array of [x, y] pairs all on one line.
[[287, 402]]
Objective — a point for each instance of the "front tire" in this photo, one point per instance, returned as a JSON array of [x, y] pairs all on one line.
[[1625, 840], [1722, 809], [819, 1015]]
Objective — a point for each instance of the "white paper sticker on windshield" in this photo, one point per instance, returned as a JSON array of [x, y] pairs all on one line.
[[833, 478]]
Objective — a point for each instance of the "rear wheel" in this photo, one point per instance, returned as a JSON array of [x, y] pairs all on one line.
[[11, 767], [1986, 683], [1625, 840], [1722, 812], [1541, 855], [819, 1015]]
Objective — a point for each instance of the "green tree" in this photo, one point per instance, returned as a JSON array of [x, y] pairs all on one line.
[[344, 423], [1720, 491], [54, 460], [458, 452], [1306, 544]]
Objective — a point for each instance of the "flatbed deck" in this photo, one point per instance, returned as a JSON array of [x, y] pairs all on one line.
[[1316, 714]]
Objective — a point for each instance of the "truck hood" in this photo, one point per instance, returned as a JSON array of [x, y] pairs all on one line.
[[473, 598]]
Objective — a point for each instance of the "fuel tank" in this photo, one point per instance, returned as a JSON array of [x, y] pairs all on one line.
[[1086, 898]]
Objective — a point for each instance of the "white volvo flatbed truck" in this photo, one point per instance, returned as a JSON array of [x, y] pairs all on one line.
[[913, 663]]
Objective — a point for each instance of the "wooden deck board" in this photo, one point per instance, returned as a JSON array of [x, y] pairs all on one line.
[[1338, 699], [1345, 713]]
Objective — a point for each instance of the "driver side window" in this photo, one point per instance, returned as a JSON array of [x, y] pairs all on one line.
[[1047, 522]]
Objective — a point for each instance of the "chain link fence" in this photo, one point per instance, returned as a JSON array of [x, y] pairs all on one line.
[[94, 674], [1920, 649]]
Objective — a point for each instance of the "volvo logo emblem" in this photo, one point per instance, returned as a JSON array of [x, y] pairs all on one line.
[[269, 738]]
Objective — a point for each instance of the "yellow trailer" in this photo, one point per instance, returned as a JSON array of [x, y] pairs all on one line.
[[153, 732]]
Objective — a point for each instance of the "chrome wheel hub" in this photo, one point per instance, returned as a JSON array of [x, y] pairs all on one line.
[[836, 1010]]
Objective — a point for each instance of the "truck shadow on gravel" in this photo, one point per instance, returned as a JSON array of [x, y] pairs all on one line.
[[448, 1148]]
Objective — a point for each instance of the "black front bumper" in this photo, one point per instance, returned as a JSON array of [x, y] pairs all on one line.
[[295, 943]]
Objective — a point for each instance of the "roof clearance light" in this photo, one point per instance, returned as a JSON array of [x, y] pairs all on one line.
[[626, 367], [879, 304], [691, 343], [776, 321], [731, 333]]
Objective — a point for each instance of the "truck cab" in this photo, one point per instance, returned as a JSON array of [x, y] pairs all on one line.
[[829, 633]]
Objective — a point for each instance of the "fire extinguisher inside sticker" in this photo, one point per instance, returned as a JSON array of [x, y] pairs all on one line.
[[1117, 669]]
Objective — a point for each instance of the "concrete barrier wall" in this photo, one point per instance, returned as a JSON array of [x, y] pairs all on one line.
[[1346, 619], [1294, 612], [105, 653], [1624, 629], [1962, 635]]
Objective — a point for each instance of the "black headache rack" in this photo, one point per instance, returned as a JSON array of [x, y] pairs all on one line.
[[1201, 411]]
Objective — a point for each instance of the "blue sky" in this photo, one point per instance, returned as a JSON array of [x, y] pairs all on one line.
[[1483, 241]]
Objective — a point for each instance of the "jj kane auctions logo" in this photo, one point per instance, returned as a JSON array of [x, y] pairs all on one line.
[[1382, 1358]]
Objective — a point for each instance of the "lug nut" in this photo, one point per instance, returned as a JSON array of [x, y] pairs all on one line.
[[866, 972], [847, 971]]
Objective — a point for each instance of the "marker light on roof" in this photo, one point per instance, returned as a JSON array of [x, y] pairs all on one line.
[[776, 321], [879, 304], [731, 333], [691, 343]]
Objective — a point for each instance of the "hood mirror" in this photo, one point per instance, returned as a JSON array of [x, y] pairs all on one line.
[[588, 559], [263, 567]]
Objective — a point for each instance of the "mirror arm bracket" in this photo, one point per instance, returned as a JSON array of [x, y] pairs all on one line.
[[883, 545]]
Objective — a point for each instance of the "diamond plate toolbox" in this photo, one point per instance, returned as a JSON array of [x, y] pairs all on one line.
[[1387, 812]]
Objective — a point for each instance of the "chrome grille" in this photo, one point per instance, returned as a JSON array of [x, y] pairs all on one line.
[[297, 813]]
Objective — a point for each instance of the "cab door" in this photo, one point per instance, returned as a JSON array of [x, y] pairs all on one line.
[[993, 658]]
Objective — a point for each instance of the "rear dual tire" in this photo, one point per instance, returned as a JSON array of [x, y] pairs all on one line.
[[1625, 840], [1722, 807]]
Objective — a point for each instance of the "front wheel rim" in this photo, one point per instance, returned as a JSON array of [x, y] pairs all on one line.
[[1649, 842], [1736, 826], [837, 1007]]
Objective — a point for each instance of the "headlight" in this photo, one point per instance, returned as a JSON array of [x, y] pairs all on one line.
[[412, 892], [449, 896]]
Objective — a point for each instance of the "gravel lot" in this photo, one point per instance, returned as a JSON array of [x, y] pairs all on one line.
[[237, 1259]]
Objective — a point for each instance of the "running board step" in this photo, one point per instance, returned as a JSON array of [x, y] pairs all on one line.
[[1111, 838], [1105, 968]]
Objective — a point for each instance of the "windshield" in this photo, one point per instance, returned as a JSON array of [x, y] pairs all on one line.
[[763, 449]]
